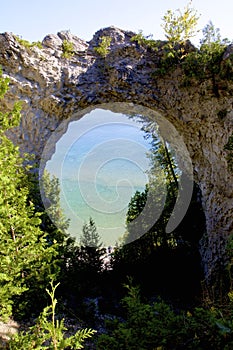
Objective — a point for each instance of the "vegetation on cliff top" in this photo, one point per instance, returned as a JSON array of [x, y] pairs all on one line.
[[200, 63]]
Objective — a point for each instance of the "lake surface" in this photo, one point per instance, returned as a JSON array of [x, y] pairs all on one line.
[[100, 162]]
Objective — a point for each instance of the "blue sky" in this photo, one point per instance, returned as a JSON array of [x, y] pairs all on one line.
[[34, 19]]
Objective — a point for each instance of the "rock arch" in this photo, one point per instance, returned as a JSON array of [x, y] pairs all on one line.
[[53, 88]]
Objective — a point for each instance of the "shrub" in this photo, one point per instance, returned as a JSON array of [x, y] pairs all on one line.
[[145, 40], [206, 62], [156, 326], [68, 49], [103, 47], [27, 43], [49, 332]]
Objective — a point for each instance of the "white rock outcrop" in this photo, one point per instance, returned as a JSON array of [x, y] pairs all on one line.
[[54, 89]]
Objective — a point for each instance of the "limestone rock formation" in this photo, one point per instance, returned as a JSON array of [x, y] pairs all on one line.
[[55, 89]]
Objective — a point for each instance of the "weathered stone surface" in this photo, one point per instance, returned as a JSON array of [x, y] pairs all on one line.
[[54, 89], [52, 41]]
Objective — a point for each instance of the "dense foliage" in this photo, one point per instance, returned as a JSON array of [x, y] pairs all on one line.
[[26, 258], [30, 245], [172, 256], [156, 325], [203, 63]]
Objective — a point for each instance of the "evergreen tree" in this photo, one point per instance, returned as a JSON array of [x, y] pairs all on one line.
[[90, 237], [53, 217], [80, 262], [147, 244], [136, 205], [25, 257], [91, 248], [154, 205], [56, 225]]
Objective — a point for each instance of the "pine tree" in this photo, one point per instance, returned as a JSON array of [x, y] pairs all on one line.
[[91, 250], [56, 225], [25, 257], [53, 218], [90, 237], [149, 211]]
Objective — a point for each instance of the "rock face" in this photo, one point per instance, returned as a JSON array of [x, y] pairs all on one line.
[[55, 89]]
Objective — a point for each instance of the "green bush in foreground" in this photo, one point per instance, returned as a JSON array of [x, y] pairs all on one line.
[[49, 332], [157, 326]]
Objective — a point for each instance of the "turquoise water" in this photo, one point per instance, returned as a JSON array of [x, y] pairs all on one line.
[[100, 162]]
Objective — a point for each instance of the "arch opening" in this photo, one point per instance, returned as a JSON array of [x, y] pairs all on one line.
[[133, 151]]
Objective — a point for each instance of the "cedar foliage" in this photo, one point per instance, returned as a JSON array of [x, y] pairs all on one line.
[[49, 332], [26, 259]]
